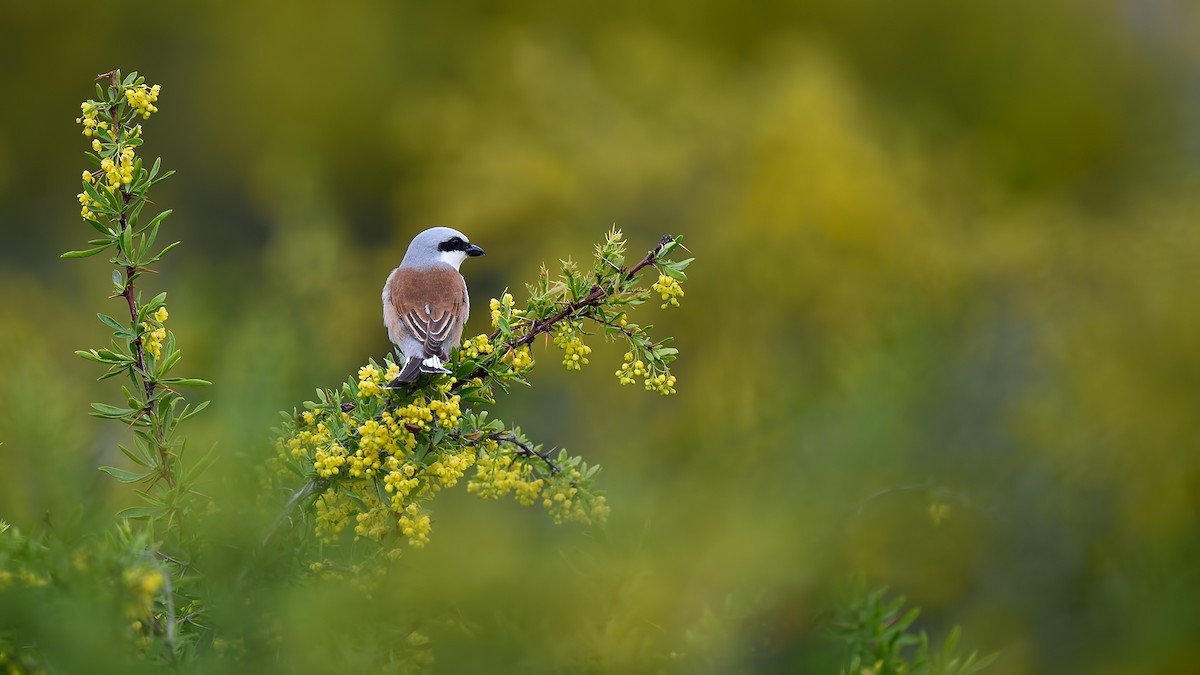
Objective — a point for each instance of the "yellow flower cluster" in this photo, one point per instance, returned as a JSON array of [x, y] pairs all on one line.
[[564, 503], [369, 382], [574, 351], [91, 125], [415, 526], [298, 446], [143, 99], [400, 483], [375, 523], [116, 173], [24, 577], [446, 412], [143, 583], [119, 172], [86, 202], [328, 461], [630, 369], [156, 333], [477, 346], [519, 359], [450, 467], [669, 289], [496, 476], [332, 515], [662, 383], [503, 306]]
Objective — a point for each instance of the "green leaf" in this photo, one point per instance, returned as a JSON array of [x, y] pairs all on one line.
[[186, 381], [117, 280], [126, 242], [133, 456], [161, 178], [90, 355], [188, 413], [123, 475], [84, 254], [171, 358], [102, 204], [111, 412], [673, 272], [110, 322], [137, 512], [152, 228]]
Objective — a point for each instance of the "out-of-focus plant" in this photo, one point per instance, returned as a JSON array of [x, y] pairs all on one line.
[[880, 640], [374, 457]]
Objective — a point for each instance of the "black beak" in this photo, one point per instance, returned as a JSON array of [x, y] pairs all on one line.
[[473, 250]]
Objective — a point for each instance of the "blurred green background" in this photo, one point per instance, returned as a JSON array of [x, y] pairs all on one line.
[[947, 255]]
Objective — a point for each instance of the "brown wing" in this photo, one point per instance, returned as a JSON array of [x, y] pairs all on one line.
[[431, 306]]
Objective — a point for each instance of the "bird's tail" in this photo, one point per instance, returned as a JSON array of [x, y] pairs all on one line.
[[413, 368], [408, 374]]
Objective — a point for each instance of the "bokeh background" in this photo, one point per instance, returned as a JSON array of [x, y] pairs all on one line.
[[942, 330]]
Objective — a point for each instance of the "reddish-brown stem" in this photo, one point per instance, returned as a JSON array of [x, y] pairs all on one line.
[[130, 295]]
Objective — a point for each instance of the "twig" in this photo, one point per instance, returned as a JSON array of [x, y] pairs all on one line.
[[308, 489], [169, 596], [525, 449], [130, 295], [593, 298]]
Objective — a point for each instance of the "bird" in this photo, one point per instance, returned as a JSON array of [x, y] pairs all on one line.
[[425, 301]]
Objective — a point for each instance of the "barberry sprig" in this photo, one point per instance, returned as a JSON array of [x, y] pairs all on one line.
[[142, 348], [564, 305]]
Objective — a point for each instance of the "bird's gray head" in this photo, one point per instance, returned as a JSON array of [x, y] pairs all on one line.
[[439, 245]]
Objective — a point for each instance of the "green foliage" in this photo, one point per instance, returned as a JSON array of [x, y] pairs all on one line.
[[879, 636], [144, 351]]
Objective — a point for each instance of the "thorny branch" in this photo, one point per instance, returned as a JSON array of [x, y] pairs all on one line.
[[592, 299]]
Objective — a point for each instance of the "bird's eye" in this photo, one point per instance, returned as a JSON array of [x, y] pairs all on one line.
[[452, 244]]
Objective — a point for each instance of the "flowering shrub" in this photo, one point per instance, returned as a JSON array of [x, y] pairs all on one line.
[[373, 458]]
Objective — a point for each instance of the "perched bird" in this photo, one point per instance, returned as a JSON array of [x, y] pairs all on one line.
[[425, 301]]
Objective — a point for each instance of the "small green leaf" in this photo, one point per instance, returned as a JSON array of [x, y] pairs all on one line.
[[90, 355], [111, 412], [133, 456], [126, 242], [136, 512], [117, 280], [188, 413], [123, 475], [673, 272], [84, 254], [110, 322], [186, 381], [163, 252]]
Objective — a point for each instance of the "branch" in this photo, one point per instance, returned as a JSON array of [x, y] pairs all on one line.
[[130, 295], [309, 488], [525, 450], [592, 299]]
